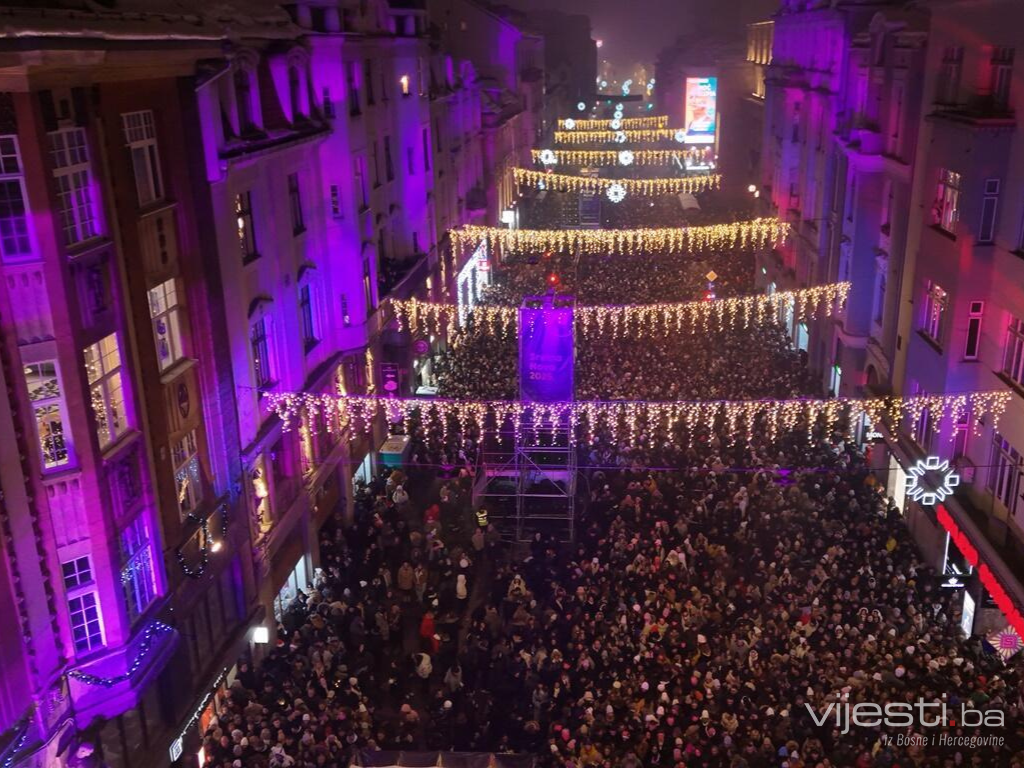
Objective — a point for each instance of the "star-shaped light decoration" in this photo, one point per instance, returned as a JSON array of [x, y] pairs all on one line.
[[931, 481], [616, 193]]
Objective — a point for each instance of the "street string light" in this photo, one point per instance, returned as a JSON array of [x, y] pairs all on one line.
[[423, 317], [568, 183], [599, 157], [608, 136], [626, 420], [755, 233]]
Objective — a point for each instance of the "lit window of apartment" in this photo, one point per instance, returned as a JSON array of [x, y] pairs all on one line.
[[1004, 473], [1013, 351], [246, 227], [165, 313], [15, 243], [140, 135], [935, 300], [44, 392], [1002, 77], [261, 495], [106, 388], [72, 176], [262, 357], [187, 477], [137, 577], [946, 208], [952, 67], [295, 204], [83, 605]]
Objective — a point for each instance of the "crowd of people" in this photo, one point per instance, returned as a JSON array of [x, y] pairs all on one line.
[[723, 596]]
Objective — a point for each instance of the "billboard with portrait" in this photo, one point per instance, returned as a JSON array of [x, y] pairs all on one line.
[[701, 110]]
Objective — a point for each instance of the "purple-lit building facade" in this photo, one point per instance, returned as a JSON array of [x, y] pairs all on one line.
[[890, 146], [192, 216]]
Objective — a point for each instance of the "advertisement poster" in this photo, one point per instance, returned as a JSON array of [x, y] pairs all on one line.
[[546, 354], [701, 110]]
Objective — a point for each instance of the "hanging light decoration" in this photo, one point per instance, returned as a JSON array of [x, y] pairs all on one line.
[[623, 419], [756, 233], [651, 121], [633, 135], [569, 123], [616, 193], [547, 156], [582, 106], [626, 157], [569, 183], [620, 137], [632, 320], [616, 124], [593, 157]]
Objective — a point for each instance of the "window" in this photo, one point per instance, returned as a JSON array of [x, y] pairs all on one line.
[[76, 573], [1013, 352], [404, 82], [880, 280], [368, 284], [243, 100], [989, 205], [95, 289], [1002, 76], [352, 73], [259, 339], [295, 202], [295, 92], [977, 309], [48, 408], [368, 79], [376, 164], [137, 577], [962, 436], [307, 315], [1004, 472], [15, 243], [164, 311], [336, 211], [73, 179], [949, 78], [410, 158], [946, 209], [851, 196], [106, 389], [187, 478], [359, 170], [140, 134], [922, 427], [246, 226], [426, 149], [86, 625], [934, 311], [389, 166], [895, 119]]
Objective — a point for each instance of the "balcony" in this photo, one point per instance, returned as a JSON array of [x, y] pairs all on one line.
[[396, 275], [980, 111]]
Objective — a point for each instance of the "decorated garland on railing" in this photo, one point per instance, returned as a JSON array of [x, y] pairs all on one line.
[[757, 233], [638, 319], [623, 157], [625, 420], [157, 627], [651, 121], [567, 183], [622, 137]]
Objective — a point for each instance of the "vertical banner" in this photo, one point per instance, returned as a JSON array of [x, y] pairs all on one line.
[[546, 351], [701, 110]]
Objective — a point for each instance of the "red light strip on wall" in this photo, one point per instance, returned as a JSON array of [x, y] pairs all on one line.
[[988, 578]]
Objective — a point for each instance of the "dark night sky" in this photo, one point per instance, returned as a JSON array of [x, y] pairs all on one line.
[[635, 30]]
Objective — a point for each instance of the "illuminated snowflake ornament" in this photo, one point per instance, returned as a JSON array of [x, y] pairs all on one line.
[[616, 124], [548, 157], [582, 106], [620, 137], [569, 123], [616, 193], [680, 136], [931, 480], [626, 157]]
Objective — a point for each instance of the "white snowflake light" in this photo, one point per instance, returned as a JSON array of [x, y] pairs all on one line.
[[931, 480], [618, 114], [616, 193], [626, 157], [618, 107], [582, 106], [569, 123], [616, 124], [620, 137], [548, 157], [680, 136]]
